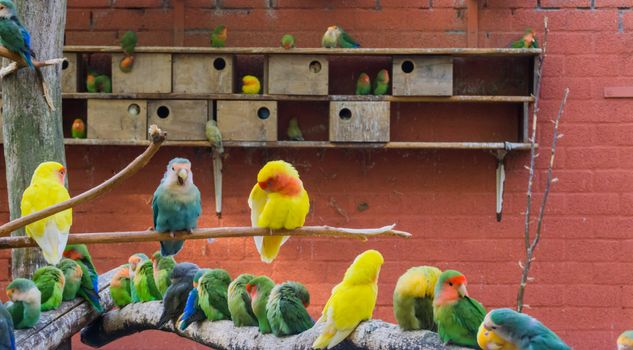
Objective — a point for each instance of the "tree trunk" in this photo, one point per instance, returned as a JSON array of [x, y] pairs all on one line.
[[32, 132]]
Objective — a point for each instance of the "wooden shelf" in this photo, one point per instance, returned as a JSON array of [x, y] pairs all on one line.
[[183, 96], [313, 144], [315, 51]]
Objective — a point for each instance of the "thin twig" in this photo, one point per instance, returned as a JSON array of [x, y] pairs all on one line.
[[529, 256], [214, 232], [157, 137]]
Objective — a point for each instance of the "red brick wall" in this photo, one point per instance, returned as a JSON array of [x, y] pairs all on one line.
[[583, 271]]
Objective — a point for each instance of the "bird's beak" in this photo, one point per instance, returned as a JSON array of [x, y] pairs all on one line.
[[182, 176], [306, 305], [462, 290], [9, 293]]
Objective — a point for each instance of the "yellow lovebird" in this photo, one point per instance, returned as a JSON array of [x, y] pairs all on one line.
[[250, 85], [352, 301], [47, 189], [413, 298], [489, 340], [278, 200]]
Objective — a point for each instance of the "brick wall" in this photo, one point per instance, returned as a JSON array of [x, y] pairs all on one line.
[[583, 270]]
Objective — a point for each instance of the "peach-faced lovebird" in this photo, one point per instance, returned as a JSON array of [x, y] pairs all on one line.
[[72, 276], [144, 284], [524, 331], [13, 35], [47, 189], [352, 301], [78, 129], [213, 293], [176, 204], [286, 309], [489, 340], [50, 281], [128, 44], [335, 36], [382, 82], [240, 302], [175, 297], [163, 266], [25, 307], [7, 334], [259, 288], [413, 298], [278, 200], [98, 82], [219, 35], [250, 85], [456, 314], [192, 312], [89, 289], [294, 132], [133, 261], [120, 286], [625, 341], [528, 41], [288, 41], [363, 84]]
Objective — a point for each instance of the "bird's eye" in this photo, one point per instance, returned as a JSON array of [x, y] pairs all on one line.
[[493, 327], [173, 169], [450, 284]]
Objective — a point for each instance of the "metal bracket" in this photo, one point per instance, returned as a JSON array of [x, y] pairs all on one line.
[[501, 176]]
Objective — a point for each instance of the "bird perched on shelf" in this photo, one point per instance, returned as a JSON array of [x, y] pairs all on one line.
[[278, 200], [250, 85], [214, 136], [176, 204], [89, 289], [528, 41], [213, 293], [128, 45], [352, 301], [98, 82], [47, 189], [25, 308], [7, 334], [219, 35], [294, 132], [120, 286], [381, 83], [239, 301], [162, 268], [72, 276], [78, 129], [286, 309], [363, 84], [288, 41], [50, 282], [259, 288], [413, 298], [175, 297], [13, 36], [335, 36], [625, 341]]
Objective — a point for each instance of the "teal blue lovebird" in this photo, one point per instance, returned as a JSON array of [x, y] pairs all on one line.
[[176, 204], [13, 35]]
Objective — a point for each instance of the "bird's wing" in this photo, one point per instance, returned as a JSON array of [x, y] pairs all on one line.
[[295, 315]]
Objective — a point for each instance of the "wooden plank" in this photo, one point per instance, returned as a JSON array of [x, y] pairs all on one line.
[[117, 120], [69, 73], [200, 74], [298, 75], [57, 325], [316, 51], [473, 23], [359, 121], [182, 96], [422, 76], [181, 119], [247, 120], [618, 92], [151, 73]]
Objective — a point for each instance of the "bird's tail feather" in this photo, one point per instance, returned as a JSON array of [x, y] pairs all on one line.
[[168, 248], [92, 297]]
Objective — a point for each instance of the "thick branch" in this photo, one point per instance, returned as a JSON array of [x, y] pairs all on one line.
[[222, 335], [204, 233], [156, 135]]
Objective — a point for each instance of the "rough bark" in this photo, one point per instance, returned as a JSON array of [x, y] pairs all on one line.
[[222, 335], [32, 132]]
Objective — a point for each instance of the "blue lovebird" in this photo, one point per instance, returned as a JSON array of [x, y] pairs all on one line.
[[13, 35], [176, 204]]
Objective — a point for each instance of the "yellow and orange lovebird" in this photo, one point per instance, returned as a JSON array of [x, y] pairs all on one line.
[[250, 85], [47, 189], [278, 200], [352, 301], [489, 340]]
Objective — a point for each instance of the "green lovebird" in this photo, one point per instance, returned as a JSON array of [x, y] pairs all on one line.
[[335, 36], [7, 334], [456, 314], [212, 294], [214, 135], [219, 35], [363, 85], [382, 82], [413, 298], [25, 309], [240, 302], [89, 289], [50, 281], [144, 283], [286, 309], [133, 261], [120, 286], [294, 132], [175, 297], [528, 41], [163, 266], [524, 331], [259, 289], [72, 275], [192, 312], [128, 42], [78, 129], [98, 82], [288, 41]]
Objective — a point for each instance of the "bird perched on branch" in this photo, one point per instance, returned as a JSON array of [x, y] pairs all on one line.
[[335, 36], [219, 36], [163, 266], [192, 312], [259, 288], [25, 308], [175, 297], [278, 200], [133, 261], [89, 289], [144, 283], [489, 340], [528, 41], [47, 189], [240, 302], [50, 281], [176, 204], [413, 298], [213, 294], [13, 35], [7, 334], [72, 275], [120, 286], [286, 309], [352, 301]]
